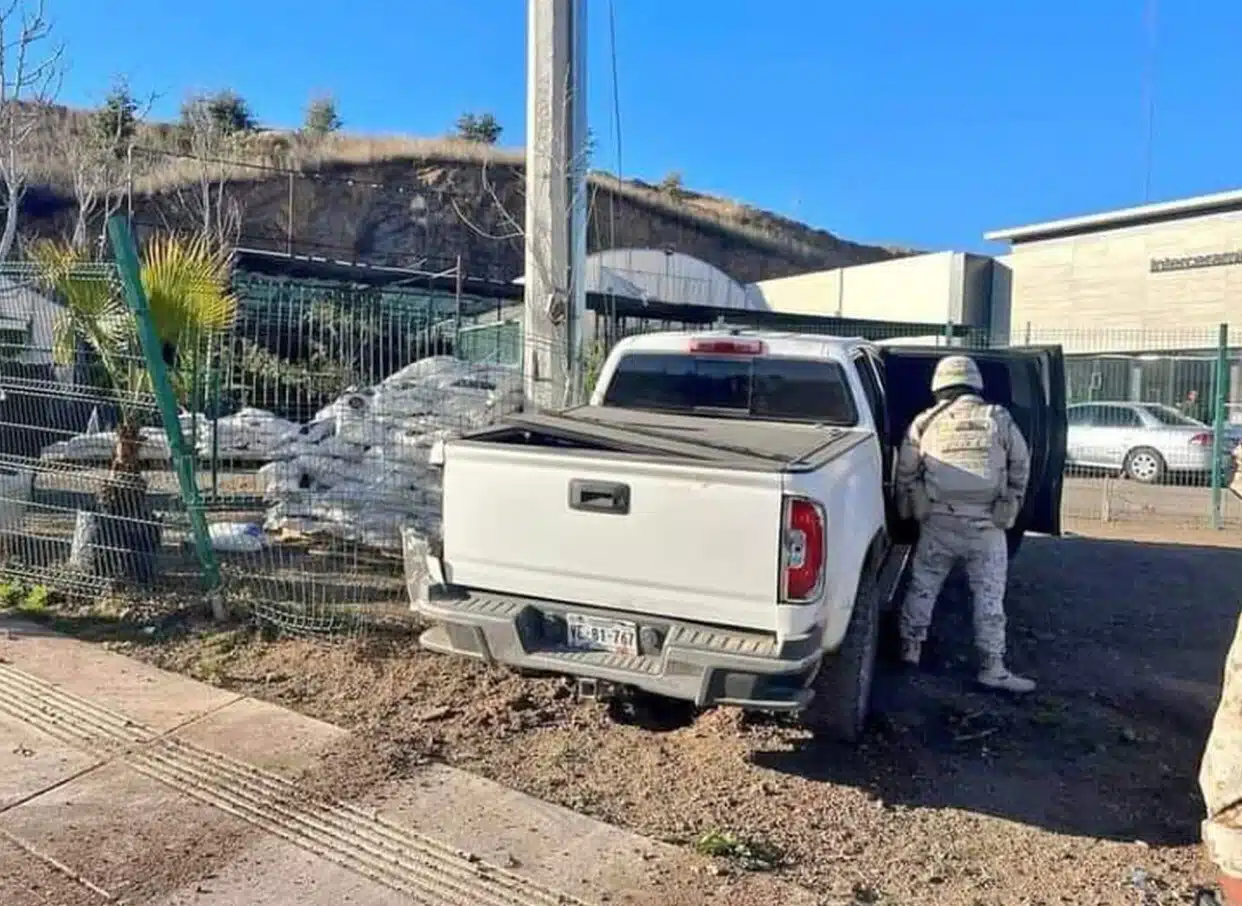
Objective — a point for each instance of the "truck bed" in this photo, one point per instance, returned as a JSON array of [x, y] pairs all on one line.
[[724, 442], [630, 511]]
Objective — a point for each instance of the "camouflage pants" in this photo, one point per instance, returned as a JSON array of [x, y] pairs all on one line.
[[1220, 776], [943, 542]]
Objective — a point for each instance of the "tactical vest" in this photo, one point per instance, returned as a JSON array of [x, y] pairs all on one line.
[[964, 457]]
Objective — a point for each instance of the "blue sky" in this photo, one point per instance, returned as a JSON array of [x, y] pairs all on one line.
[[918, 122]]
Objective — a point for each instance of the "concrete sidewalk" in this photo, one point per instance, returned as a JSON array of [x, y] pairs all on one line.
[[123, 783]]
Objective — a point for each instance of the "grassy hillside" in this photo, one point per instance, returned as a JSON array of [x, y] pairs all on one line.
[[443, 167]]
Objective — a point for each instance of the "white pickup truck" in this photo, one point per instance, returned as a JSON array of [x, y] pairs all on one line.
[[716, 525]]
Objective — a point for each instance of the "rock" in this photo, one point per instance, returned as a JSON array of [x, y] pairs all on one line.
[[431, 714]]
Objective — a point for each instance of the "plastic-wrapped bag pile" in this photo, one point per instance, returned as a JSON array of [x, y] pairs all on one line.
[[358, 471], [97, 447], [250, 435]]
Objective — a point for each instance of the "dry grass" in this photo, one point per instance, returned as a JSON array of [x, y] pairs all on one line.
[[266, 155]]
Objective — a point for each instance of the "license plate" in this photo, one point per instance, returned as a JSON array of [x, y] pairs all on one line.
[[596, 634]]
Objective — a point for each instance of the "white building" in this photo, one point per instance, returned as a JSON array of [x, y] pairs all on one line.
[[1156, 277], [663, 275], [936, 289]]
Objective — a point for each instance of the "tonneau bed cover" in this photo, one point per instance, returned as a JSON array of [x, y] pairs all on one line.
[[731, 442]]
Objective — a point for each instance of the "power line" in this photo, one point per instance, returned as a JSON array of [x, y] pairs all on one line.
[[1149, 91], [616, 121], [616, 88]]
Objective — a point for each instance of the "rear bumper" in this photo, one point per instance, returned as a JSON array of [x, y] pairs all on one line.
[[703, 664]]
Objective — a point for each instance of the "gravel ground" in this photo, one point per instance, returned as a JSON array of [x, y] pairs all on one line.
[[1085, 793]]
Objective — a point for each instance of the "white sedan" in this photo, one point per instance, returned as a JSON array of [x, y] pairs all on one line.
[[1147, 442]]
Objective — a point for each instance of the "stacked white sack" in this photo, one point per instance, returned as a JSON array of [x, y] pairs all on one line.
[[249, 435], [358, 471], [97, 447]]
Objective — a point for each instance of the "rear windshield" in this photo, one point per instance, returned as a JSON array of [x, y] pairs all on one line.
[[764, 387], [1171, 417]]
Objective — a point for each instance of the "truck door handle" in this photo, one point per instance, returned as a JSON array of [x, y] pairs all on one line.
[[599, 496]]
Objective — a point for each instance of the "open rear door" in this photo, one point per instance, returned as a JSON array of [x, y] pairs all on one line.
[[1028, 380]]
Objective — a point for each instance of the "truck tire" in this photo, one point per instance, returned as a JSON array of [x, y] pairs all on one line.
[[843, 684]]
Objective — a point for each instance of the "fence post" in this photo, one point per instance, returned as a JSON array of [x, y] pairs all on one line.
[[126, 255], [289, 232], [215, 429], [457, 287], [948, 332], [1220, 391]]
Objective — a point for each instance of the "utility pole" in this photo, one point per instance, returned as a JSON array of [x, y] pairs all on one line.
[[556, 208]]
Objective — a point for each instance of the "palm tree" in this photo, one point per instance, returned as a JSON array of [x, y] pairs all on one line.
[[186, 281]]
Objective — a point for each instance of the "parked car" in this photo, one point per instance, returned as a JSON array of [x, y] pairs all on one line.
[[1147, 442], [716, 525]]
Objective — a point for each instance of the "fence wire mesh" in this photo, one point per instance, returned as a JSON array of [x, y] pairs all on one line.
[[1144, 446], [88, 500], [318, 414], [313, 416]]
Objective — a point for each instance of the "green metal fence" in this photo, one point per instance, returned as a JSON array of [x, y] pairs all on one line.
[[497, 342], [307, 429], [1151, 426], [96, 494], [319, 412]]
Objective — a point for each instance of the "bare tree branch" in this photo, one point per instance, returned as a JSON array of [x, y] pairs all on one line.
[[514, 231], [32, 69], [217, 212], [98, 163], [507, 217]]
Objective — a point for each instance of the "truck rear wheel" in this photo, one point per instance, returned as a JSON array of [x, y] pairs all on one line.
[[843, 684]]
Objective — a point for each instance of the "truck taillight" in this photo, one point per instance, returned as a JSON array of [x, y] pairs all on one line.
[[802, 550]]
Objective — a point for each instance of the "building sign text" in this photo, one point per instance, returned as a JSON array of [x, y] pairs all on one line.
[[1191, 262]]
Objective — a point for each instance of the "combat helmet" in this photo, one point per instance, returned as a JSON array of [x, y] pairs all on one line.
[[956, 371]]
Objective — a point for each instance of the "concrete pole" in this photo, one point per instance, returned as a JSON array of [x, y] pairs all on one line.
[[556, 208]]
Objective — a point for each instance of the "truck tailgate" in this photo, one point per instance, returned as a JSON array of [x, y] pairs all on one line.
[[672, 538]]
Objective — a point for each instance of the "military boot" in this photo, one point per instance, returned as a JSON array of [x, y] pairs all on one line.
[[995, 675]]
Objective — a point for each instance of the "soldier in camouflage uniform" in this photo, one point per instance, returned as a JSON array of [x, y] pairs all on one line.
[[962, 474], [1220, 779]]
